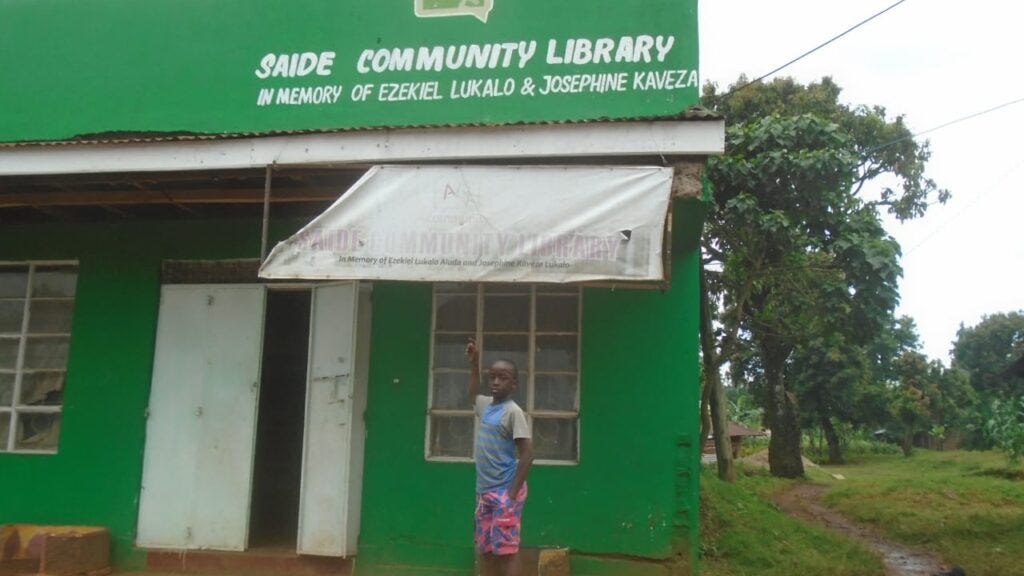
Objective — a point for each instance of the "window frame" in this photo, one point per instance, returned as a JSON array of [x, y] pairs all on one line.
[[480, 295], [15, 408]]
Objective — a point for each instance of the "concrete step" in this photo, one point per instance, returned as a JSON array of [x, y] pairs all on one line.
[[255, 562]]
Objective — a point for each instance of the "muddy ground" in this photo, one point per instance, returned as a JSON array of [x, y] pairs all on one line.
[[803, 501]]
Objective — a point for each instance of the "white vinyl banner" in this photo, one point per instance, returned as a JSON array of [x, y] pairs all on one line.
[[486, 224]]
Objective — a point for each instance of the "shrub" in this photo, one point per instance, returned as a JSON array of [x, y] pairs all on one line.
[[1006, 428]]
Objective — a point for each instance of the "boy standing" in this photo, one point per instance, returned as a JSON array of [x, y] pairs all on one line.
[[502, 433]]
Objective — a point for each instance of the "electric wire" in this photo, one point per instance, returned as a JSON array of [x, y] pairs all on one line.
[[813, 50], [950, 123], [973, 202]]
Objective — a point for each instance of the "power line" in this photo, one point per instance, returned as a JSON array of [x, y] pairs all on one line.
[[974, 201], [813, 50], [950, 123]]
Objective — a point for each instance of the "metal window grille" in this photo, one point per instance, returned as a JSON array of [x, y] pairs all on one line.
[[37, 301], [535, 326]]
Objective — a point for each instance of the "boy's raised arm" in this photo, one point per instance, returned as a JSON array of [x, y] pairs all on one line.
[[473, 354]]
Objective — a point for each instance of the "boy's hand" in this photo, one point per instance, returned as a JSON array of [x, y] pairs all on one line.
[[473, 355]]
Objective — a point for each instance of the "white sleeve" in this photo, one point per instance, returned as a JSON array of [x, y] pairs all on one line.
[[520, 426]]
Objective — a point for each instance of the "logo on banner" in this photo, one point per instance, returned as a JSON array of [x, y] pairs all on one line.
[[479, 9]]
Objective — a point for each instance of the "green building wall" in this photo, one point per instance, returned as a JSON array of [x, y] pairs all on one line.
[[629, 507], [96, 475]]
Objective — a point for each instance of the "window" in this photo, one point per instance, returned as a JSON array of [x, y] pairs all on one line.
[[37, 301], [538, 328]]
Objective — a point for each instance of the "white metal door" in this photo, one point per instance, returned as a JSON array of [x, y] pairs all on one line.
[[332, 446], [201, 427]]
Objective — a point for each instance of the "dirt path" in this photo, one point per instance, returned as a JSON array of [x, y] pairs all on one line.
[[803, 501]]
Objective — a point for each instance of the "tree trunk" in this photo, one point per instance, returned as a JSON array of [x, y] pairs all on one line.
[[715, 393], [784, 458], [720, 424], [908, 443], [835, 450], [705, 412]]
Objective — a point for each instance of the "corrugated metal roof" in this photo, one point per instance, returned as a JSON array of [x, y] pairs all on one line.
[[693, 113]]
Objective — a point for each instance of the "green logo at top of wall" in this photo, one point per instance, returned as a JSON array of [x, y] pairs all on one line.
[[479, 9]]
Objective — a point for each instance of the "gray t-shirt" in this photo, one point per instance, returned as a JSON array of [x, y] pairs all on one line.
[[498, 427]]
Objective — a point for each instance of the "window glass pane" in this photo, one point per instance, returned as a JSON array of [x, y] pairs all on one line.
[[13, 281], [50, 316], [555, 392], [37, 431], [8, 353], [507, 335], [42, 389], [54, 282], [6, 390], [554, 439], [507, 313], [506, 347], [46, 352], [451, 436], [5, 430], [506, 288], [455, 313], [519, 396], [556, 353], [558, 313], [450, 350], [11, 312], [451, 390]]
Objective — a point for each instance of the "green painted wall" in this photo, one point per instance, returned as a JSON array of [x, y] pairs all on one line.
[[95, 476], [634, 492]]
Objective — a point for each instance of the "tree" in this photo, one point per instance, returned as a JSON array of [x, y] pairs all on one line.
[[911, 406], [781, 190], [883, 145], [788, 235], [898, 337], [990, 352], [713, 397], [829, 374], [955, 403], [833, 373], [930, 398]]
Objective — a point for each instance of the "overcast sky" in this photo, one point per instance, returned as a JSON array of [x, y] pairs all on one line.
[[932, 61]]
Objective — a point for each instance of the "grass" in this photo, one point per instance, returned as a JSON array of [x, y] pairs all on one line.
[[964, 506], [744, 534]]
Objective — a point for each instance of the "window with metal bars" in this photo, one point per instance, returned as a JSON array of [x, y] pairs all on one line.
[[535, 326], [37, 302]]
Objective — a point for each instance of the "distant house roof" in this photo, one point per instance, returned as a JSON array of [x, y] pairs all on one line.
[[742, 431]]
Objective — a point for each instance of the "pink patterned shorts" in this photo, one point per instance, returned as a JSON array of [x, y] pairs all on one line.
[[498, 521]]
